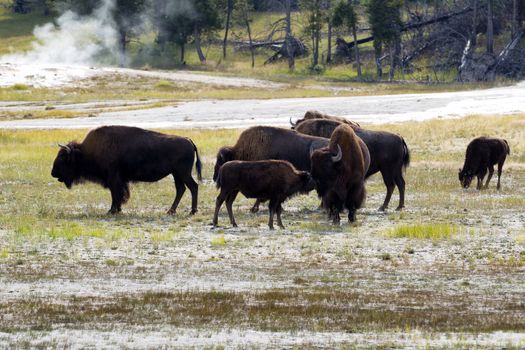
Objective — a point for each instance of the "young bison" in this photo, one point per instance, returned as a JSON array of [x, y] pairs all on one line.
[[482, 154], [273, 180]]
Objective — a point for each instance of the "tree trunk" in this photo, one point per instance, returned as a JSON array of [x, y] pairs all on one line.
[[356, 50], [182, 54], [474, 34], [227, 27], [490, 28], [197, 36], [514, 17], [122, 46], [288, 41], [377, 52], [248, 29], [315, 38], [329, 53]]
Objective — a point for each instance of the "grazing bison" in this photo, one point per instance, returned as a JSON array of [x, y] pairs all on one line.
[[482, 154], [339, 171], [312, 114], [266, 142], [273, 180], [113, 156], [389, 154]]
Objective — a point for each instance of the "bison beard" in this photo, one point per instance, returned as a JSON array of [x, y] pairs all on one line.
[[388, 152], [273, 180], [482, 154], [339, 171], [113, 156]]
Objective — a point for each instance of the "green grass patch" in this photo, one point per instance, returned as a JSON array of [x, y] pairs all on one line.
[[434, 231]]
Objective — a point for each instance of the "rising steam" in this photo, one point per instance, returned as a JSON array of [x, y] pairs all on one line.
[[74, 39]]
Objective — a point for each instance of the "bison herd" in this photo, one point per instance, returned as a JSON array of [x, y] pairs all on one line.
[[330, 154]]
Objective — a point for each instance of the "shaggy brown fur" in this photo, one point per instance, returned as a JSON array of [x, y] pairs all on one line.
[[113, 156], [341, 183], [273, 180], [313, 115], [388, 152], [482, 154]]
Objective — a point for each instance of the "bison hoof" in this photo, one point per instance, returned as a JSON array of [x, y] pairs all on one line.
[[234, 225], [400, 208], [382, 208], [193, 211], [172, 212], [114, 211], [254, 210]]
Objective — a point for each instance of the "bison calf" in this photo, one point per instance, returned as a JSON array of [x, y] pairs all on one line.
[[114, 156], [482, 154], [273, 180]]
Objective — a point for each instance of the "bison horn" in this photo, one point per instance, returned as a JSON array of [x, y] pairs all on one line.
[[338, 156], [67, 148], [292, 123]]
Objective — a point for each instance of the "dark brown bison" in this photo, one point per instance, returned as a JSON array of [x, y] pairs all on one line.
[[113, 156], [339, 172], [266, 142], [389, 153], [273, 180], [482, 154], [312, 114]]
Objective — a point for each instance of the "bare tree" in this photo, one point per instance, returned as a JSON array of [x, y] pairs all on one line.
[[229, 9], [490, 27]]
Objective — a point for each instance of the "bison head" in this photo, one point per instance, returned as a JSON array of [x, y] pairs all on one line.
[[325, 168], [465, 177], [224, 155], [307, 182], [65, 166]]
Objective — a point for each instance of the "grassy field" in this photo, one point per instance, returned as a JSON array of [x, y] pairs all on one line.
[[446, 272]]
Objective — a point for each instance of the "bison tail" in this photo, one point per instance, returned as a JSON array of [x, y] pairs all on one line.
[[198, 164], [508, 147], [406, 154]]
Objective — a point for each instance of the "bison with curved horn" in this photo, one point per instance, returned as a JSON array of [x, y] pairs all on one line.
[[114, 156], [389, 154], [339, 171]]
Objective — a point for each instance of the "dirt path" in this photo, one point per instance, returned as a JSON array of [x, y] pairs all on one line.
[[244, 113]]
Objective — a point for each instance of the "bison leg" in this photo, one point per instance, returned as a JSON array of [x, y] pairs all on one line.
[[255, 207], [279, 211], [491, 172], [272, 208], [180, 189], [119, 192], [194, 189], [500, 168], [229, 201], [400, 183], [390, 185], [218, 202]]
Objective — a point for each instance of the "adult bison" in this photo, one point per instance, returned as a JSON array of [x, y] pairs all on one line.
[[313, 114], [339, 171], [389, 153], [482, 154], [266, 142], [113, 156], [273, 180]]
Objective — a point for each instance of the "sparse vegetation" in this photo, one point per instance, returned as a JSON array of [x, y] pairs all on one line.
[[414, 271]]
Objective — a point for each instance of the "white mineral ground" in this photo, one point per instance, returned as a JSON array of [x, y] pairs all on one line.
[[245, 113]]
